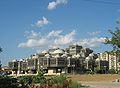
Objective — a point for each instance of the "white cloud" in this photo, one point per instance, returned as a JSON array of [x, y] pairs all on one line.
[[54, 4], [33, 35], [42, 22], [66, 39], [54, 33], [33, 40], [91, 42], [33, 43], [57, 38], [53, 38]]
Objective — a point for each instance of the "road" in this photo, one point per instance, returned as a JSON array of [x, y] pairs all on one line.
[[102, 84]]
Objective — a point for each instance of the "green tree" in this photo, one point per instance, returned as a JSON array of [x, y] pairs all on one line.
[[115, 40], [112, 71]]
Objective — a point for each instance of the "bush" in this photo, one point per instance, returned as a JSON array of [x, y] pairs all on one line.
[[112, 71], [59, 79], [24, 80], [118, 72], [39, 78], [8, 83], [97, 70]]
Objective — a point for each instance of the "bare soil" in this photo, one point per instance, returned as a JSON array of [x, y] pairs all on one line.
[[96, 77]]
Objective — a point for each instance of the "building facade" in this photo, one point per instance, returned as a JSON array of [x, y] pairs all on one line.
[[74, 59]]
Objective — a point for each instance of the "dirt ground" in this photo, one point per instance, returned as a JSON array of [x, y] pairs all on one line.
[[98, 80], [96, 77]]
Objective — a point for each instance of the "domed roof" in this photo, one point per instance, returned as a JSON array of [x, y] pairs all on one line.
[[73, 56], [69, 57], [57, 56], [87, 58], [59, 51], [78, 55], [64, 55], [47, 55], [44, 51], [66, 52], [14, 60], [21, 60], [91, 54], [97, 59]]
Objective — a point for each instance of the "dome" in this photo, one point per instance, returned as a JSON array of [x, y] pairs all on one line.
[[73, 56], [14, 60], [91, 54], [44, 51], [78, 56], [58, 51], [69, 57], [47, 55], [87, 58], [57, 56], [64, 55], [66, 52], [21, 60], [97, 59]]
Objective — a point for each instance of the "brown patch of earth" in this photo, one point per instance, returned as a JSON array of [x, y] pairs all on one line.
[[95, 78]]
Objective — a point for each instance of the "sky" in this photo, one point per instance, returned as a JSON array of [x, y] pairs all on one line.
[[31, 26]]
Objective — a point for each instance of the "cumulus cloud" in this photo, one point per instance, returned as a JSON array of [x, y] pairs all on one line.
[[53, 38], [91, 42], [42, 22], [57, 38], [33, 40], [55, 33], [66, 39], [54, 4]]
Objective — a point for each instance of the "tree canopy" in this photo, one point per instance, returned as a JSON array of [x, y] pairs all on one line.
[[115, 40]]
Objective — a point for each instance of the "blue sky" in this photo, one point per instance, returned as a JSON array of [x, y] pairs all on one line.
[[30, 26]]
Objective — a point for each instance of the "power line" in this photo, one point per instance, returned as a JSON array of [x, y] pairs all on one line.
[[103, 2]]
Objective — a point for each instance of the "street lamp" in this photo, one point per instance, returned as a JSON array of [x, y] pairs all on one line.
[[41, 68], [73, 66], [105, 69]]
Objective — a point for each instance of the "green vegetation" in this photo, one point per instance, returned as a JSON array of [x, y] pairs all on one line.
[[61, 81], [115, 40], [39, 78], [5, 76], [112, 71], [97, 70]]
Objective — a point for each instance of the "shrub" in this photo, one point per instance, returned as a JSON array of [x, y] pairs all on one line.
[[24, 80], [59, 79], [118, 72], [39, 78], [112, 71]]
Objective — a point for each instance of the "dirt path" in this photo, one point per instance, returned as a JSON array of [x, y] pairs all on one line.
[[96, 78], [102, 84]]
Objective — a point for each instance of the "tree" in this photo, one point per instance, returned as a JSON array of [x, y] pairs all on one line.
[[0, 60], [115, 40], [1, 50]]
